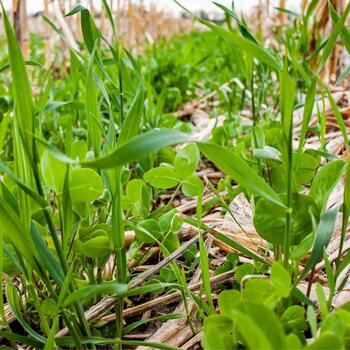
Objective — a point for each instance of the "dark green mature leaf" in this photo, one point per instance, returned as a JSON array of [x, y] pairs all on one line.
[[323, 236], [225, 159], [138, 148]]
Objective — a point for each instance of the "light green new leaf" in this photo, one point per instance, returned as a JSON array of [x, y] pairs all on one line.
[[225, 159], [280, 279]]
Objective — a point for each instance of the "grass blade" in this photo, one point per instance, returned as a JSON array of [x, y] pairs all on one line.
[[225, 159]]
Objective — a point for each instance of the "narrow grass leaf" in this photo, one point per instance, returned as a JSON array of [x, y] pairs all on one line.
[[332, 38], [85, 293], [13, 300], [244, 44], [138, 148], [307, 113], [21, 86], [325, 181], [225, 159], [40, 200], [324, 233]]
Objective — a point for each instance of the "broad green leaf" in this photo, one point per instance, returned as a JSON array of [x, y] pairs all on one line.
[[218, 333], [162, 177], [192, 186], [138, 148], [260, 291], [186, 160], [326, 342], [259, 326], [137, 198], [148, 231], [306, 167], [267, 153], [53, 171], [226, 160], [270, 219], [79, 149], [85, 185], [280, 279], [95, 247], [293, 319], [325, 181]]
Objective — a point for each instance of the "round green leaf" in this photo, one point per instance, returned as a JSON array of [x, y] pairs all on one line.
[[162, 177], [270, 219], [85, 185], [148, 231], [192, 186], [186, 160]]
